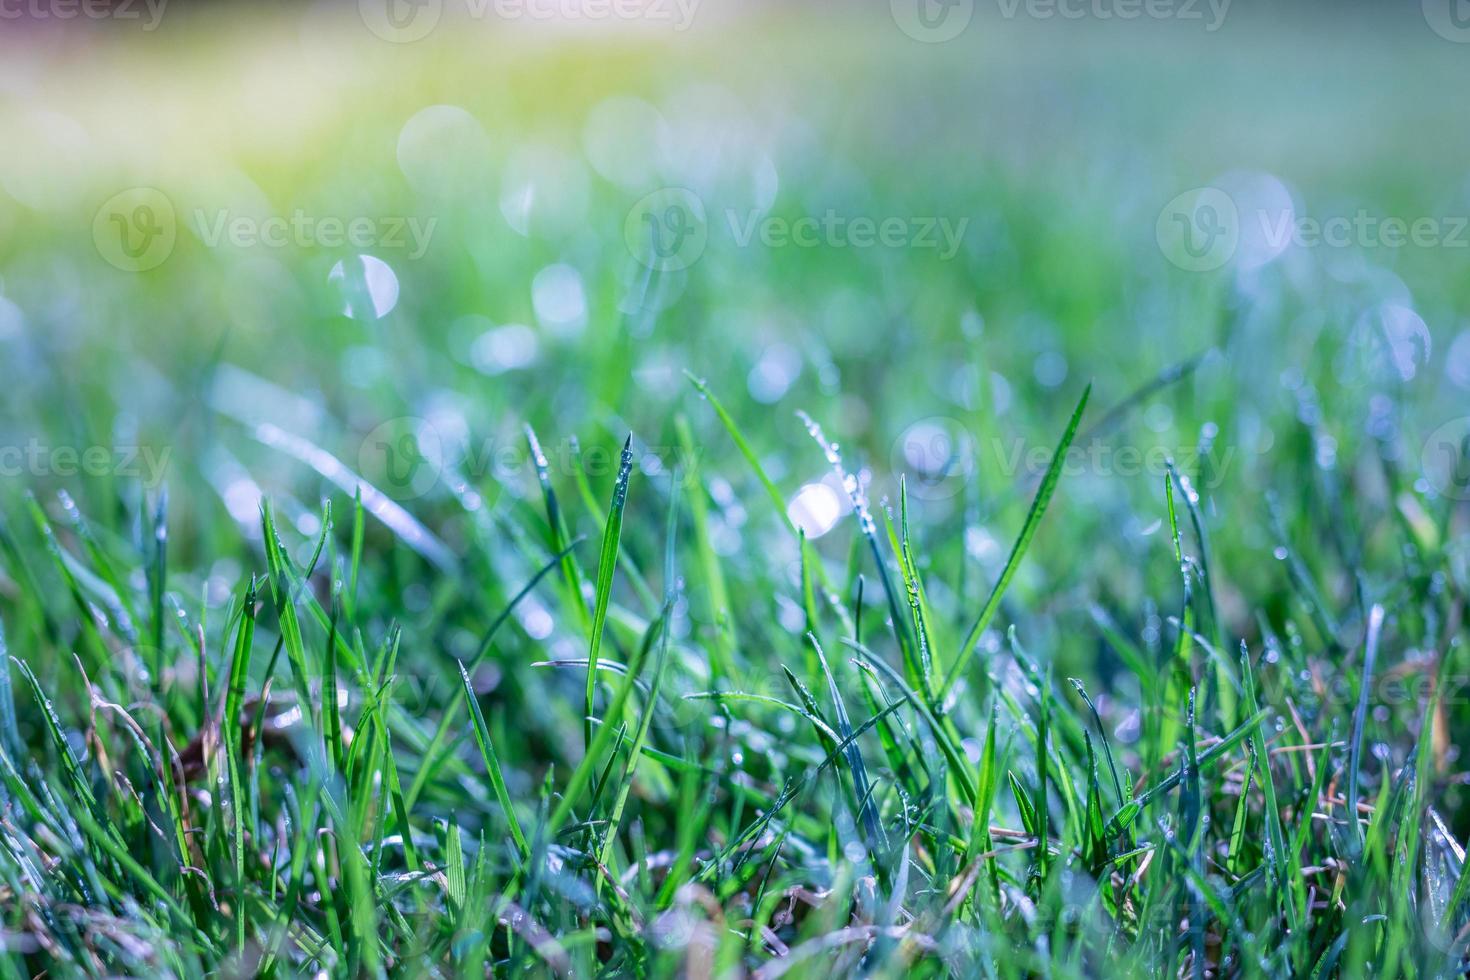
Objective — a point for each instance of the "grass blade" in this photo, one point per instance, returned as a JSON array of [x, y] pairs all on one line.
[[1018, 550], [606, 566]]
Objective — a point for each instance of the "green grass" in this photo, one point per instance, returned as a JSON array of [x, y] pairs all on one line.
[[598, 700]]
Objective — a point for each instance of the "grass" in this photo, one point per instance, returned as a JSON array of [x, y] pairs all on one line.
[[685, 664], [764, 834]]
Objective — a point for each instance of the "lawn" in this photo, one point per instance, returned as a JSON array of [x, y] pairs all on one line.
[[701, 489]]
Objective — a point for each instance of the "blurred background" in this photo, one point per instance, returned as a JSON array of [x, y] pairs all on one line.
[[270, 248]]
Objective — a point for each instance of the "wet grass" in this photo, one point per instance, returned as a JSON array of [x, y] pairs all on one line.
[[642, 652]]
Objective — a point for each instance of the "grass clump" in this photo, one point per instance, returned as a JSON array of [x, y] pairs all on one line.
[[213, 805], [1045, 609]]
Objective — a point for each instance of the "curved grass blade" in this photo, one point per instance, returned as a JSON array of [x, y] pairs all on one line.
[[777, 500], [492, 764], [1018, 551], [859, 497], [1360, 717], [606, 565], [451, 711], [866, 811], [671, 594], [403, 524], [557, 525]]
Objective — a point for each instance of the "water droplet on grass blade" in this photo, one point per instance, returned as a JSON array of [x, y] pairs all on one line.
[[504, 349], [815, 509], [559, 300], [366, 286]]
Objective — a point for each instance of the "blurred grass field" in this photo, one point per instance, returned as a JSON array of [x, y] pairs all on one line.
[[267, 255]]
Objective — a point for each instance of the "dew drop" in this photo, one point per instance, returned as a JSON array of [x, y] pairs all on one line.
[[366, 285]]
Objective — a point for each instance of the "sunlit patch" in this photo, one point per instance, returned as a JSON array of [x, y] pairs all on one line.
[[1050, 368], [981, 545], [937, 457], [242, 499], [1456, 361], [619, 138], [535, 620], [543, 191], [765, 183], [502, 349], [774, 373], [364, 366], [790, 616], [1390, 340], [1159, 417], [1266, 213], [256, 288], [239, 492], [47, 159], [308, 524], [710, 140], [558, 298], [815, 509], [443, 151], [367, 286], [219, 586], [660, 373], [1000, 393], [12, 321]]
